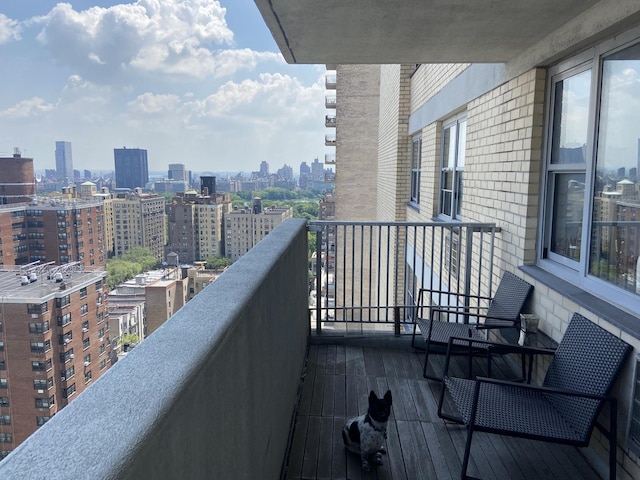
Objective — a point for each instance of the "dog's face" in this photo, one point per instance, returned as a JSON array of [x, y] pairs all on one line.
[[380, 408]]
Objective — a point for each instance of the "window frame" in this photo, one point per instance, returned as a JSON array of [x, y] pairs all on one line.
[[416, 170], [455, 207], [577, 272]]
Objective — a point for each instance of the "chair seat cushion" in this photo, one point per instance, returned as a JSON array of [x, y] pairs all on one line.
[[516, 411]]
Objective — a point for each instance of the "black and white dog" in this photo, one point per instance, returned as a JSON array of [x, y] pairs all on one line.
[[365, 434]]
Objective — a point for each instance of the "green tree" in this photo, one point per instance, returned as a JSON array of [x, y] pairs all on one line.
[[142, 256], [217, 262], [119, 271]]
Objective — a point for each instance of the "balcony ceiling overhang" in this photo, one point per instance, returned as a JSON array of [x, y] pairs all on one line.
[[412, 31]]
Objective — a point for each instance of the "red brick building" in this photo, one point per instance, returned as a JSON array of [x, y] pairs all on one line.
[[54, 341]]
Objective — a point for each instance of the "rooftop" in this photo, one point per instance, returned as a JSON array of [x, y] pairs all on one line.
[[38, 281]]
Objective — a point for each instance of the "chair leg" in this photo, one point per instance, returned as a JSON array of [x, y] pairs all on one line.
[[426, 365], [613, 439], [467, 453]]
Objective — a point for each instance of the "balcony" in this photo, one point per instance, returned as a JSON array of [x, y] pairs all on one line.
[[330, 121], [330, 140], [216, 389], [330, 158], [330, 82], [330, 102]]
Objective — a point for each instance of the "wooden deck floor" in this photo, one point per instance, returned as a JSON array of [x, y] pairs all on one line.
[[419, 445]]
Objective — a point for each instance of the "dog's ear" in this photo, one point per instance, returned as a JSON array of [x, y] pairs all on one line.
[[387, 397], [372, 396]]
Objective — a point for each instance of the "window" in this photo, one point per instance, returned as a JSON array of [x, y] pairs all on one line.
[[83, 290], [63, 301], [70, 390], [85, 343], [6, 438], [454, 140], [416, 162], [35, 327], [40, 384], [3, 383], [42, 420], [37, 347], [64, 320], [4, 401], [591, 226], [5, 420], [84, 309], [42, 402], [37, 308]]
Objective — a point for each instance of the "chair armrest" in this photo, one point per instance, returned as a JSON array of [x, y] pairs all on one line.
[[497, 322], [508, 347], [542, 389]]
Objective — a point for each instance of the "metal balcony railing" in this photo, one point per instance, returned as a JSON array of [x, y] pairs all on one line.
[[366, 275]]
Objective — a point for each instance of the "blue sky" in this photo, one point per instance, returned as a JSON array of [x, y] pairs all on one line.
[[199, 82]]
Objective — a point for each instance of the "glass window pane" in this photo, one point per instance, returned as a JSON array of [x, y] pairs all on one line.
[[462, 143], [568, 205], [570, 119], [616, 215]]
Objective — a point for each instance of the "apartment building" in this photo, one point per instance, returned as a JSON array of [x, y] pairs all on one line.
[[525, 118], [54, 342], [244, 227], [17, 179], [53, 230], [195, 225], [138, 221]]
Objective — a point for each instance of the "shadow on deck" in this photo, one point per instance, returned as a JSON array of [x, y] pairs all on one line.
[[420, 445]]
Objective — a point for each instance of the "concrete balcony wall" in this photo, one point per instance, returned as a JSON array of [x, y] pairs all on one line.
[[210, 394]]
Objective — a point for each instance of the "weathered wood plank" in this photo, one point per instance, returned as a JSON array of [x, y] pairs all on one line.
[[420, 445]]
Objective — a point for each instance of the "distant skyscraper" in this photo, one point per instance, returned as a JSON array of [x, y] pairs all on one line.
[[64, 161], [264, 169], [132, 168], [178, 172]]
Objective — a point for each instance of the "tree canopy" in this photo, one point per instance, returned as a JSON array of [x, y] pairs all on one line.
[[218, 263], [132, 263]]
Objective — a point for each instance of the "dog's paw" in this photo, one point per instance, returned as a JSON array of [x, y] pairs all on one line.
[[378, 458], [382, 450], [365, 466]]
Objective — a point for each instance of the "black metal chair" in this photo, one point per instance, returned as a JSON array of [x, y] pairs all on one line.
[[465, 320], [563, 410]]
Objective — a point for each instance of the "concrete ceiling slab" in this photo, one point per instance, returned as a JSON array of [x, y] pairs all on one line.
[[412, 31]]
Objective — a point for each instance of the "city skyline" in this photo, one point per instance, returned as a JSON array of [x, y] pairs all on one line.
[[199, 79]]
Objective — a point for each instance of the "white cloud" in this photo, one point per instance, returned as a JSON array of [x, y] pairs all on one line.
[[9, 29], [276, 97], [27, 108], [177, 37], [149, 103]]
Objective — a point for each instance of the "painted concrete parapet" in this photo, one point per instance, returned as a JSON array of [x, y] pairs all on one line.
[[209, 395]]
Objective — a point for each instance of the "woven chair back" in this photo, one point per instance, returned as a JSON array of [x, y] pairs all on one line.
[[588, 360]]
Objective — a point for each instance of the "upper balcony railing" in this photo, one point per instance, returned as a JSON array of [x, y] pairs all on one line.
[[330, 158], [366, 274]]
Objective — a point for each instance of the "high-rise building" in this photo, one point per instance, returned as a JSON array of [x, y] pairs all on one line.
[[53, 230], [64, 162], [264, 169], [139, 221], [55, 339], [244, 227], [132, 167], [17, 179], [195, 224], [177, 172]]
